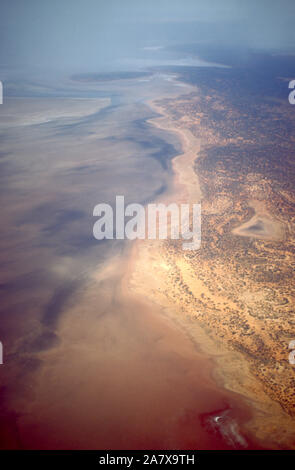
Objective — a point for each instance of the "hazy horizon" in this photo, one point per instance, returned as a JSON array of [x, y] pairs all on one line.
[[93, 35]]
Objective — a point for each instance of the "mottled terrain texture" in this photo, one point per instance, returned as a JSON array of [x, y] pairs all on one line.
[[240, 284]]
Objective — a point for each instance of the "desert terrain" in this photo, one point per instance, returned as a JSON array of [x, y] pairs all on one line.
[[235, 295]]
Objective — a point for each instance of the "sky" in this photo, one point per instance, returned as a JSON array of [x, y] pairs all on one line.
[[86, 34]]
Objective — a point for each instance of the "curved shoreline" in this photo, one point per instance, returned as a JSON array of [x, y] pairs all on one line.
[[185, 181], [230, 369], [146, 364], [184, 188]]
